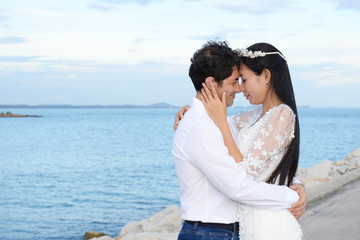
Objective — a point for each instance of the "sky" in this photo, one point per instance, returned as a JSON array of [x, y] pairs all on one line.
[[113, 52]]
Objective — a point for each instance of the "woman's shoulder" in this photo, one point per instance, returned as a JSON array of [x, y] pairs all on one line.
[[285, 108], [249, 112], [247, 117], [283, 111]]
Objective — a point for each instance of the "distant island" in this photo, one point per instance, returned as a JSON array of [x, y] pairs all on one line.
[[155, 105], [10, 114]]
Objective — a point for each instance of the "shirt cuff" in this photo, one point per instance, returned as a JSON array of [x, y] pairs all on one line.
[[297, 181], [292, 197]]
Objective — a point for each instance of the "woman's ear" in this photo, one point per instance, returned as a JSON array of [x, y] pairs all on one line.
[[267, 75], [208, 80]]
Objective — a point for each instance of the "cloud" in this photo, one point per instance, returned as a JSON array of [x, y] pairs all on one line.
[[3, 18], [219, 35], [12, 40], [17, 59], [48, 12], [223, 33], [101, 7], [86, 82], [41, 64], [207, 37], [89, 83], [335, 78], [326, 75], [347, 4], [256, 7], [140, 40], [335, 82], [57, 98], [139, 2]]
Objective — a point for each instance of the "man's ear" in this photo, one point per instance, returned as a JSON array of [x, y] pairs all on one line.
[[267, 75], [208, 80]]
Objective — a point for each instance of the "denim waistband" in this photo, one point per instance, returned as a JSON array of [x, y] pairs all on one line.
[[230, 226]]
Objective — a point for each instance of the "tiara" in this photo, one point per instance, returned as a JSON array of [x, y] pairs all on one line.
[[250, 54]]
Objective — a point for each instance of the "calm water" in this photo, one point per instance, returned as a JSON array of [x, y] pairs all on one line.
[[75, 170]]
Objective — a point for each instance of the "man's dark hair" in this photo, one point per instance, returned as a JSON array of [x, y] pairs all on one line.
[[214, 59]]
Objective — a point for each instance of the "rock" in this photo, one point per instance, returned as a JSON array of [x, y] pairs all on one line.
[[149, 236], [353, 155], [102, 238], [320, 170], [351, 162], [94, 235], [163, 225], [12, 115], [320, 180], [326, 170]]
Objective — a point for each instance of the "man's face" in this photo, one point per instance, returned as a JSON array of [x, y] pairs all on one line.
[[230, 85]]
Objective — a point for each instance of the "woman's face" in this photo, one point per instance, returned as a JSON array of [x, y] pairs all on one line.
[[255, 87]]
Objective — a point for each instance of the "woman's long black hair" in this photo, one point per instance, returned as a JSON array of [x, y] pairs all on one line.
[[281, 82]]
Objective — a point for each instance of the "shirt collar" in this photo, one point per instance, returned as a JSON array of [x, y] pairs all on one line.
[[197, 104]]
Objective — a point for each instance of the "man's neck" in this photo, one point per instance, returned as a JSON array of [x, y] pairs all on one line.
[[198, 94]]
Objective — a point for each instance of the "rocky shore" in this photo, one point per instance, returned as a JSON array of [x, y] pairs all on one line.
[[14, 115], [320, 180]]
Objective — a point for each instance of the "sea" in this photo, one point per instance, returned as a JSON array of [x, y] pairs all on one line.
[[79, 169]]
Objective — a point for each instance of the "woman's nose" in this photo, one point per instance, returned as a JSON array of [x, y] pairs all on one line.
[[241, 88]]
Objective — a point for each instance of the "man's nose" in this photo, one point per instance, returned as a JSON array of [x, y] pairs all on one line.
[[241, 88], [237, 87]]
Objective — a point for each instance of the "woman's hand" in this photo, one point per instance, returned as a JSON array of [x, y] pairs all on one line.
[[180, 115], [215, 107], [298, 208]]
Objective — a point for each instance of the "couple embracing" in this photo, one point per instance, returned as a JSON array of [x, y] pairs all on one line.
[[237, 174]]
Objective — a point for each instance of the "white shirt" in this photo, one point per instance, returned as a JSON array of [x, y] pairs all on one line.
[[210, 182]]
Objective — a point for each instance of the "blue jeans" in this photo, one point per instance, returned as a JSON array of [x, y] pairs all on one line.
[[194, 232]]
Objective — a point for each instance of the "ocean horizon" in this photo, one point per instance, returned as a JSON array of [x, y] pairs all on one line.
[[99, 168]]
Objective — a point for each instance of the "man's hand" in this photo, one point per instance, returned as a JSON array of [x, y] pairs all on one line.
[[298, 208], [180, 115]]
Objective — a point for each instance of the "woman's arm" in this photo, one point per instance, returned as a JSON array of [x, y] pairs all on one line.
[[275, 133], [216, 109], [180, 115]]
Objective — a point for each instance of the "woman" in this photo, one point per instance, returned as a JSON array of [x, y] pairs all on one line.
[[267, 146]]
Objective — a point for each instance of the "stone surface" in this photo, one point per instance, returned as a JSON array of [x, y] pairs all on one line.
[[163, 225], [102, 238], [91, 235], [320, 181], [327, 170]]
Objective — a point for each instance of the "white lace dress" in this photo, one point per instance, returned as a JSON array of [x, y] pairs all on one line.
[[262, 142]]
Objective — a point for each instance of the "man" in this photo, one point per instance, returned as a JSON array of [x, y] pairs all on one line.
[[211, 185]]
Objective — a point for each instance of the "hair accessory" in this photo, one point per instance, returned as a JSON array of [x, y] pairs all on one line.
[[250, 54]]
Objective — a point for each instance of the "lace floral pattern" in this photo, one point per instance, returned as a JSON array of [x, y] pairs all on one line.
[[262, 142]]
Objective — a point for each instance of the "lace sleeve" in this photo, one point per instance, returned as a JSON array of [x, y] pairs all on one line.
[[242, 119], [275, 134]]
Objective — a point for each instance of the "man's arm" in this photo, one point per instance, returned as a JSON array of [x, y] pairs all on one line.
[[209, 154]]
